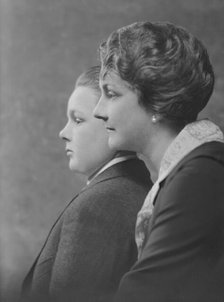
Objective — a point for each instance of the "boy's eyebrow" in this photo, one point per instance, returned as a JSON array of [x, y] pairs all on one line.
[[73, 112]]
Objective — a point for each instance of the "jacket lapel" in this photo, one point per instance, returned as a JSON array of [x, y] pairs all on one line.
[[28, 279]]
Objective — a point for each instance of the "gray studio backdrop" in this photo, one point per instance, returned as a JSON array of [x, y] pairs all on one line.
[[45, 44]]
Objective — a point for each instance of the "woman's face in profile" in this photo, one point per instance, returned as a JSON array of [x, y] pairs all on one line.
[[127, 122], [85, 136]]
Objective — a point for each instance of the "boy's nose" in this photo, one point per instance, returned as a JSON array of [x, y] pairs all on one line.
[[63, 134]]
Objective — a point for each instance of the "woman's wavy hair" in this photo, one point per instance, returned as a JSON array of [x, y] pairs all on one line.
[[167, 66]]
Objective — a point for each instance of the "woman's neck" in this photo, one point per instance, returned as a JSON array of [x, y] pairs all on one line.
[[156, 149]]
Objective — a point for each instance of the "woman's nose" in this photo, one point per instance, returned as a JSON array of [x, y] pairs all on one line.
[[99, 111]]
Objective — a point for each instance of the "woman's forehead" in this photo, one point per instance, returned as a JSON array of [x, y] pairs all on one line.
[[112, 78]]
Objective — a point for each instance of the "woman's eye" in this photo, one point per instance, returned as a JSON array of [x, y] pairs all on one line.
[[110, 94]]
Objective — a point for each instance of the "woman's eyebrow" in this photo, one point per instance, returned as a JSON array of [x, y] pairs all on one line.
[[105, 87]]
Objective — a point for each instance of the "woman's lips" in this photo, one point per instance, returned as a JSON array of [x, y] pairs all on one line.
[[109, 129], [68, 151]]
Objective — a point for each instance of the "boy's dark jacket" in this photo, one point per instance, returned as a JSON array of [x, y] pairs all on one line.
[[91, 245]]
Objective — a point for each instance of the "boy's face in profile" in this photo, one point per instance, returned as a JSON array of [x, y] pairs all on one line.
[[85, 136]]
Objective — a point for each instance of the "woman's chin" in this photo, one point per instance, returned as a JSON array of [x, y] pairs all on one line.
[[116, 145]]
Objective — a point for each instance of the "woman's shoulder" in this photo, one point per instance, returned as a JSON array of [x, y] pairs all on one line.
[[208, 155], [213, 150], [199, 176]]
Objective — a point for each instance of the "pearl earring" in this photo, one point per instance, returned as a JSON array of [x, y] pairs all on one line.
[[154, 119]]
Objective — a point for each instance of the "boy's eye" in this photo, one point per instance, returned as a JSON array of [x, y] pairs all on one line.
[[77, 120]]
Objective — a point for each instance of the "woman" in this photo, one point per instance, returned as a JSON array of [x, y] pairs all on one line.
[[92, 244], [160, 76]]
